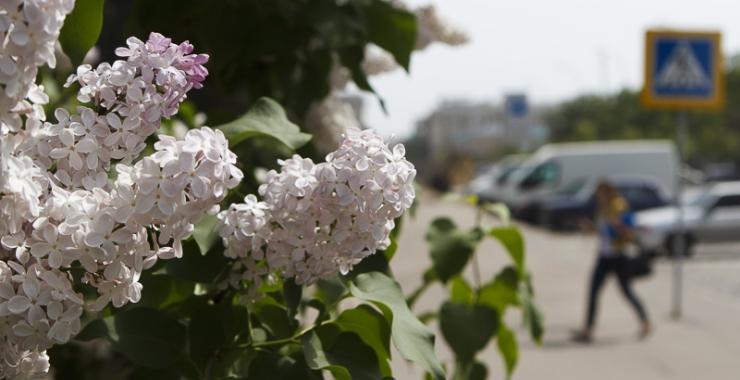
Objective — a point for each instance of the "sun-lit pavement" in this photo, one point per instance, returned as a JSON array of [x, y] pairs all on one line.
[[704, 344]]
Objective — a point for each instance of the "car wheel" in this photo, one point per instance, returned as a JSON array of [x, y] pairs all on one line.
[[531, 213], [544, 219], [689, 242]]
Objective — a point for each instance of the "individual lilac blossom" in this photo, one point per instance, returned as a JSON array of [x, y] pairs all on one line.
[[71, 151]]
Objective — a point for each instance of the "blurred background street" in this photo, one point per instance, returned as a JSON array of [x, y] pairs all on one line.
[[704, 344]]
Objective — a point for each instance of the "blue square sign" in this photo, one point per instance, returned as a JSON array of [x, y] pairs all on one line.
[[683, 70], [516, 105]]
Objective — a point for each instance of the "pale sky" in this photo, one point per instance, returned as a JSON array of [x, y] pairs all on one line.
[[551, 50]]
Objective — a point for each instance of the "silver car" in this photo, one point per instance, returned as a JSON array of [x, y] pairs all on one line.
[[711, 215]]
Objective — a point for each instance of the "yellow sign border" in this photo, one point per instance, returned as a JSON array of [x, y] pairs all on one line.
[[650, 100]]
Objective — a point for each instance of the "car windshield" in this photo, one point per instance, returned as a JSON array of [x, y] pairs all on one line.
[[517, 173], [572, 188], [506, 174], [696, 198]]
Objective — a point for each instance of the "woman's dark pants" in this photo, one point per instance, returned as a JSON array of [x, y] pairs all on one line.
[[616, 264]]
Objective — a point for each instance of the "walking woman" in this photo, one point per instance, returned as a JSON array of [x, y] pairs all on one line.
[[614, 226]]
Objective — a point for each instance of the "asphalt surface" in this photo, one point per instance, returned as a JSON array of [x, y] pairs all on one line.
[[703, 344]]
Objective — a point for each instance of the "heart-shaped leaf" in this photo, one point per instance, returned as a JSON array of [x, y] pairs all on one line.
[[467, 328], [450, 247]]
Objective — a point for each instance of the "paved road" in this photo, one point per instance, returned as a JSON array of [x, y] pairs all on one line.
[[705, 344]]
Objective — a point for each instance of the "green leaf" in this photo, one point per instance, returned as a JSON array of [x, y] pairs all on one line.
[[274, 317], [330, 291], [450, 248], [471, 371], [414, 341], [532, 316], [352, 58], [205, 334], [478, 371], [376, 262], [81, 29], [393, 247], [373, 329], [213, 327], [512, 240], [391, 250], [507, 346], [163, 290], [292, 293], [101, 328], [500, 211], [265, 118], [196, 267], [147, 337], [206, 233], [348, 350], [288, 364], [467, 328], [320, 307], [392, 29], [313, 351], [502, 292], [471, 199], [460, 290]]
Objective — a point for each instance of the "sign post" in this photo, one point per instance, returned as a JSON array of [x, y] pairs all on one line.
[[683, 71]]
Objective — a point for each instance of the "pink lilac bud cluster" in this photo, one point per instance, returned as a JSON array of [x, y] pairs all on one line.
[[58, 208], [319, 219], [29, 30]]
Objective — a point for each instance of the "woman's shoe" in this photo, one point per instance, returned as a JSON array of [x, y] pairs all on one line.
[[645, 330], [581, 336]]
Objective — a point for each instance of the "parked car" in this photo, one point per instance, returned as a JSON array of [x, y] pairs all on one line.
[[578, 201], [712, 215], [554, 167], [721, 171], [487, 184]]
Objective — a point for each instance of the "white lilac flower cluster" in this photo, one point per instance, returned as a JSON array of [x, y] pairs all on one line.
[[319, 219], [131, 97], [29, 31], [58, 208]]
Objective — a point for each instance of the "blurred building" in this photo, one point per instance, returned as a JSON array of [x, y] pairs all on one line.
[[458, 135]]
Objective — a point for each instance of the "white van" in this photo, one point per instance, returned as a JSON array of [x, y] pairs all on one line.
[[558, 167]]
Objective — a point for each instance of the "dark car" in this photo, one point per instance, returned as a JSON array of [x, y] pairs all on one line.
[[568, 209]]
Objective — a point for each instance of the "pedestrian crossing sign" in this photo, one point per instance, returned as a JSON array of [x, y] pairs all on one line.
[[683, 70]]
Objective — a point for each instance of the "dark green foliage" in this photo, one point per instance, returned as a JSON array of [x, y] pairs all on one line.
[[81, 29], [283, 49]]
